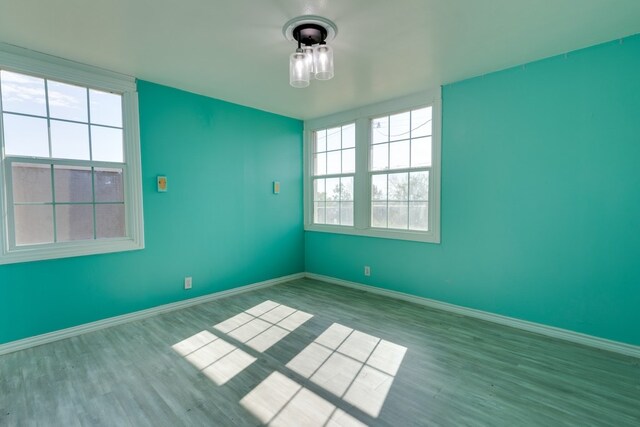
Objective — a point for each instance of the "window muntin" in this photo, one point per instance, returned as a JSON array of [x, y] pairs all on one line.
[[334, 167], [400, 163], [70, 180]]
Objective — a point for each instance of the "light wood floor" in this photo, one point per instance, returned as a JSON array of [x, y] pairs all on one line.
[[335, 356]]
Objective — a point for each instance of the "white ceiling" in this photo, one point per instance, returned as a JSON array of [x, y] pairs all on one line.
[[234, 49]]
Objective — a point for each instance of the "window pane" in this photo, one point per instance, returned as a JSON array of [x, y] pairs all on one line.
[[106, 108], [399, 126], [25, 136], [108, 185], [333, 213], [349, 136], [74, 222], [421, 152], [421, 122], [69, 140], [110, 221], [379, 214], [31, 183], [379, 187], [398, 215], [333, 162], [380, 130], [73, 184], [380, 157], [418, 216], [333, 139], [321, 140], [106, 144], [346, 213], [67, 101], [399, 155], [318, 190], [419, 186], [318, 213], [320, 164], [349, 160], [34, 224], [346, 184], [333, 189], [23, 94], [399, 186]]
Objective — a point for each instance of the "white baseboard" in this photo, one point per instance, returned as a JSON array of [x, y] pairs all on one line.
[[112, 321], [550, 331]]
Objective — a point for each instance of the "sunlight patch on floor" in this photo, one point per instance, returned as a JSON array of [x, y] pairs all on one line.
[[217, 359], [194, 342], [357, 367], [262, 326], [280, 401], [228, 367], [259, 327]]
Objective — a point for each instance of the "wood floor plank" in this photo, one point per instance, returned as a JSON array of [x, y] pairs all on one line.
[[455, 370]]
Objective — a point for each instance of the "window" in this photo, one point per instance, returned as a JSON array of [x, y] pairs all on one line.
[[70, 174], [334, 165], [399, 170], [390, 187]]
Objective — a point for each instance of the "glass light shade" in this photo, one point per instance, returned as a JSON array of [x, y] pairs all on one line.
[[323, 62], [309, 52], [298, 69]]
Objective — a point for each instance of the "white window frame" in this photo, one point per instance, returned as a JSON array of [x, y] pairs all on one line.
[[24, 61], [340, 175], [362, 185]]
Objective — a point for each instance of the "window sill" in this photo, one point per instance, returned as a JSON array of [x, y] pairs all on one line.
[[415, 236], [72, 249]]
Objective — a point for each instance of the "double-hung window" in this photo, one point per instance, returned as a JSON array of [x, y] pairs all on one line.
[[389, 184], [334, 165], [70, 170], [399, 170]]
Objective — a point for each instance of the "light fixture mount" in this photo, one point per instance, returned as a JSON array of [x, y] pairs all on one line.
[[310, 34], [310, 22]]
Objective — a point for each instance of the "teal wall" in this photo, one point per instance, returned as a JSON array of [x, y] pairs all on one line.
[[219, 222], [540, 199], [540, 207]]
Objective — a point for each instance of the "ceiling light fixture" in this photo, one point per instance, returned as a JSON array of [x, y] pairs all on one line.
[[313, 57]]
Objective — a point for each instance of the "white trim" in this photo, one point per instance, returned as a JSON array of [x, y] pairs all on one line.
[[362, 188], [410, 102], [436, 172], [50, 67], [28, 61], [70, 249], [133, 206], [537, 328], [549, 331], [382, 233], [138, 315]]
